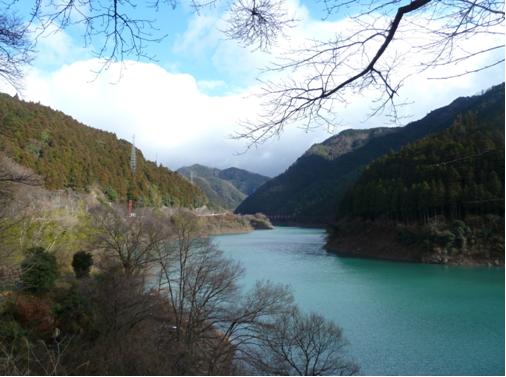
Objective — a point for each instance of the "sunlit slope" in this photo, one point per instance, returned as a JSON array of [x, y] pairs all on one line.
[[69, 154]]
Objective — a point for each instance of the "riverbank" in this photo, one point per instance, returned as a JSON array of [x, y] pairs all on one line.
[[229, 223], [301, 224], [475, 242]]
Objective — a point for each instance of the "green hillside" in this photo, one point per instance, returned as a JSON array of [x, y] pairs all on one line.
[[224, 188], [310, 189], [437, 200], [455, 173], [68, 154]]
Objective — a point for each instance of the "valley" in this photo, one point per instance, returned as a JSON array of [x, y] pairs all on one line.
[[396, 234]]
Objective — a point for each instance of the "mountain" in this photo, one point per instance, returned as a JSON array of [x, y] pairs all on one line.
[[454, 173], [245, 181], [311, 188], [224, 188], [69, 154], [438, 200]]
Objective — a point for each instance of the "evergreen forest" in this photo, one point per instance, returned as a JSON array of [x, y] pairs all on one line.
[[68, 154], [455, 173]]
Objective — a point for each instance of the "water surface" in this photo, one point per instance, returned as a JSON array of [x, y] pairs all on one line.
[[399, 318]]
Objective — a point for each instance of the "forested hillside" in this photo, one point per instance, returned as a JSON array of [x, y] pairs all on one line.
[[455, 173], [437, 200], [224, 188], [310, 190], [68, 154]]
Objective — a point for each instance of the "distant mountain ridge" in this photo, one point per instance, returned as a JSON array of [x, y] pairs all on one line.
[[69, 154], [244, 180], [224, 188], [311, 188]]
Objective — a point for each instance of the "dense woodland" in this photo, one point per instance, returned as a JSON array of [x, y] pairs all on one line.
[[68, 154], [437, 200], [456, 173]]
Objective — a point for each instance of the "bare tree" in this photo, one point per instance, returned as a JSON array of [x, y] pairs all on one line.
[[200, 285], [257, 22], [300, 344], [123, 301], [220, 328], [114, 29], [15, 48], [132, 242], [370, 57], [12, 176], [323, 75]]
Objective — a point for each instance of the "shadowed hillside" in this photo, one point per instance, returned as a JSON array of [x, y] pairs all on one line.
[[438, 200], [310, 190]]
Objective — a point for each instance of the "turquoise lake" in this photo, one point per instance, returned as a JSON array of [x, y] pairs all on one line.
[[399, 318]]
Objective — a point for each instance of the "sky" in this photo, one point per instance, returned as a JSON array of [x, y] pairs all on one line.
[[186, 106]]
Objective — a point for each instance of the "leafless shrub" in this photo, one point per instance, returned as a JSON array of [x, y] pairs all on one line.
[[12, 174], [24, 357]]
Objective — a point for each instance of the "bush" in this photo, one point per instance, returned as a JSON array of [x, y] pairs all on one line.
[[111, 194], [81, 263], [34, 314], [39, 270], [444, 238], [10, 330], [73, 312]]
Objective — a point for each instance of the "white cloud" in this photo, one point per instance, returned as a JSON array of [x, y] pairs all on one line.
[[169, 114]]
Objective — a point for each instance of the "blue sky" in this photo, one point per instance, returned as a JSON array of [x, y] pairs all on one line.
[[184, 107]]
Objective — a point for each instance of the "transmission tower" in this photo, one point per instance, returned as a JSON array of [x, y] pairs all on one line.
[[133, 157], [133, 167]]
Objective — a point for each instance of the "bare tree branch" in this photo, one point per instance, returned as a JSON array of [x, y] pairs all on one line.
[[318, 80], [15, 49], [257, 22]]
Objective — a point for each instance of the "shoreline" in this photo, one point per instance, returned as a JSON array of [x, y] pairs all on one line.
[[428, 244], [452, 263]]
